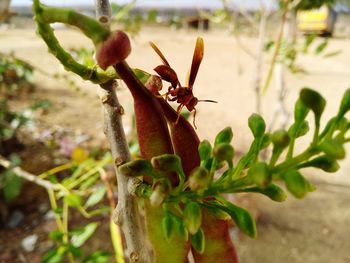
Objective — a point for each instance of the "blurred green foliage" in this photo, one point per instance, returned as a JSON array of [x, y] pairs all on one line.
[[16, 76]]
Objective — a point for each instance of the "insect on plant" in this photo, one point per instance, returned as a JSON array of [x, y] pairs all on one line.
[[176, 92]]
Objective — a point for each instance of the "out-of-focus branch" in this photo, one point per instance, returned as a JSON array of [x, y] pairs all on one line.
[[28, 176], [260, 56], [278, 43]]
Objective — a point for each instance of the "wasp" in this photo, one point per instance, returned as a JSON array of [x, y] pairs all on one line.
[[176, 92]]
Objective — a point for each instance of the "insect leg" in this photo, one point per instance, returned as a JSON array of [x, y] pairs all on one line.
[[178, 110], [194, 118]]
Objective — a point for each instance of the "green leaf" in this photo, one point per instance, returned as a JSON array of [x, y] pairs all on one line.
[[52, 178], [58, 211], [168, 226], [98, 257], [224, 136], [55, 255], [332, 54], [181, 228], [73, 200], [240, 216], [192, 217], [13, 186], [308, 41], [198, 241], [80, 236], [56, 235], [75, 251], [321, 47], [95, 197], [297, 184], [345, 104]]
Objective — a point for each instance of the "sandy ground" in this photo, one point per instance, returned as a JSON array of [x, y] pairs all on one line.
[[315, 229]]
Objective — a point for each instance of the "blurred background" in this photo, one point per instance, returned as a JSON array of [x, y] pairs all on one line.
[[257, 58]]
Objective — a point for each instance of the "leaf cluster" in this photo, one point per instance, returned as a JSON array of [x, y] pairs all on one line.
[[81, 191], [269, 162]]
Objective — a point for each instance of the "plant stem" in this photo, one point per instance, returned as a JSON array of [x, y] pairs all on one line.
[[128, 216], [29, 177], [62, 223], [127, 211], [56, 170], [290, 163], [65, 238], [54, 207], [277, 49], [43, 19], [113, 228]]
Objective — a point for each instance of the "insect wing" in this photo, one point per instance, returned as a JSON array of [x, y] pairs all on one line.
[[160, 54], [196, 61], [167, 74]]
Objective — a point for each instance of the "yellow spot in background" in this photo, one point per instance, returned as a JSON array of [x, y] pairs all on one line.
[[79, 155]]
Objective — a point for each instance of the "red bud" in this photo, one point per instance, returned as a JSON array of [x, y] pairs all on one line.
[[113, 50]]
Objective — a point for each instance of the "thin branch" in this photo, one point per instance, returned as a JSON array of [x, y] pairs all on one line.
[[277, 48], [260, 56], [28, 176], [281, 109]]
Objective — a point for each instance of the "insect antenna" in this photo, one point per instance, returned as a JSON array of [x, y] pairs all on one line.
[[213, 101]]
